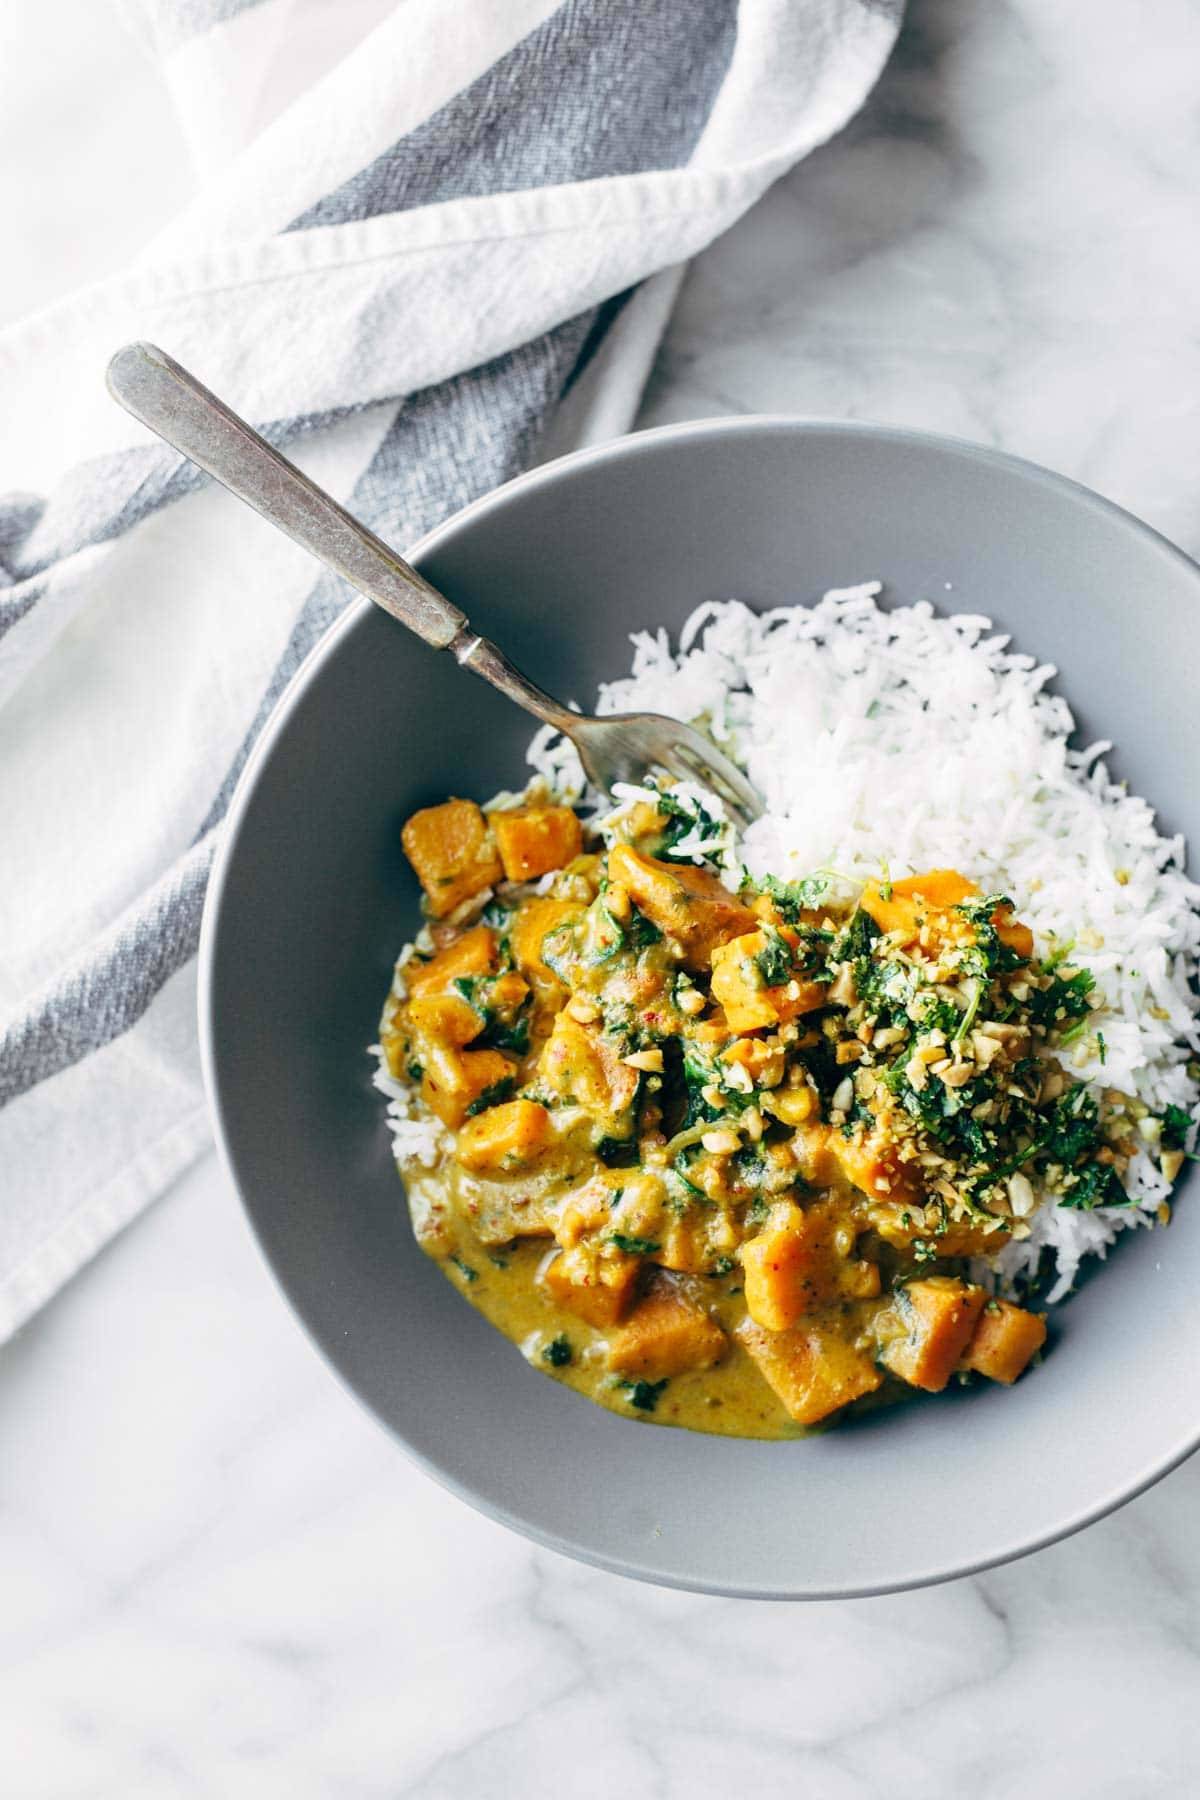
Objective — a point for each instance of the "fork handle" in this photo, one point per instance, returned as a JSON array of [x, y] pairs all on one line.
[[157, 390]]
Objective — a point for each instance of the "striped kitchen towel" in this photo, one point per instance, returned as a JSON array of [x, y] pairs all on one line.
[[428, 241]]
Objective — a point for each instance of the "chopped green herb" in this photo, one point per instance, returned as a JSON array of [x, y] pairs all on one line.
[[774, 960], [853, 942], [791, 897], [465, 1269], [635, 1246], [557, 1352], [1176, 1123], [1067, 1001], [415, 1071], [1096, 1184], [989, 955]]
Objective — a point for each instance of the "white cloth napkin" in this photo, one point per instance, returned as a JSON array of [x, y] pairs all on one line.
[[427, 240]]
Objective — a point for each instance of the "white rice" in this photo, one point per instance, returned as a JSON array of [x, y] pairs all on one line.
[[417, 1137], [906, 741]]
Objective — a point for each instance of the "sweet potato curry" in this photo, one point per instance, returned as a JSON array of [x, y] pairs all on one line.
[[728, 1160]]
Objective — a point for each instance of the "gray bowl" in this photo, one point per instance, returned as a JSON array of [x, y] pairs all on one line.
[[312, 898]]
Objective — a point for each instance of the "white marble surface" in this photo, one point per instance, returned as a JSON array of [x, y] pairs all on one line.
[[217, 1577]]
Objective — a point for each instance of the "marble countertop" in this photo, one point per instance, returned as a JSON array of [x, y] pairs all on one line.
[[219, 1578]]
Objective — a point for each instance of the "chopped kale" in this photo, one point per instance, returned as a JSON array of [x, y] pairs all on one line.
[[681, 822], [606, 935], [498, 1033], [635, 1246], [681, 1193], [641, 931], [514, 1036], [643, 1394], [560, 949], [698, 1073], [492, 1096], [617, 1153]]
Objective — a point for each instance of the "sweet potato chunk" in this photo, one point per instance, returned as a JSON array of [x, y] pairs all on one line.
[[446, 1017], [532, 840], [762, 1061], [596, 1281], [919, 898], [1012, 932], [750, 1003], [792, 1105], [474, 953], [579, 1064], [911, 900], [452, 852], [665, 1335], [534, 922], [436, 1005], [901, 1223], [1004, 1340], [685, 1245], [795, 1266], [869, 1161], [454, 1079], [936, 1319], [688, 903], [506, 1137], [813, 1371]]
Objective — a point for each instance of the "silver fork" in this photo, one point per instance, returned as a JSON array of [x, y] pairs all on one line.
[[624, 747]]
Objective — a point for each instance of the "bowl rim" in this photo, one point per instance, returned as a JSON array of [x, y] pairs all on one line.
[[621, 448]]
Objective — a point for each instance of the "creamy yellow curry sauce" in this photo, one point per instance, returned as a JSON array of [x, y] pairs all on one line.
[[726, 1159]]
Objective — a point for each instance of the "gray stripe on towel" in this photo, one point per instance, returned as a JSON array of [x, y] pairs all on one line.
[[106, 496], [446, 446], [602, 87]]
